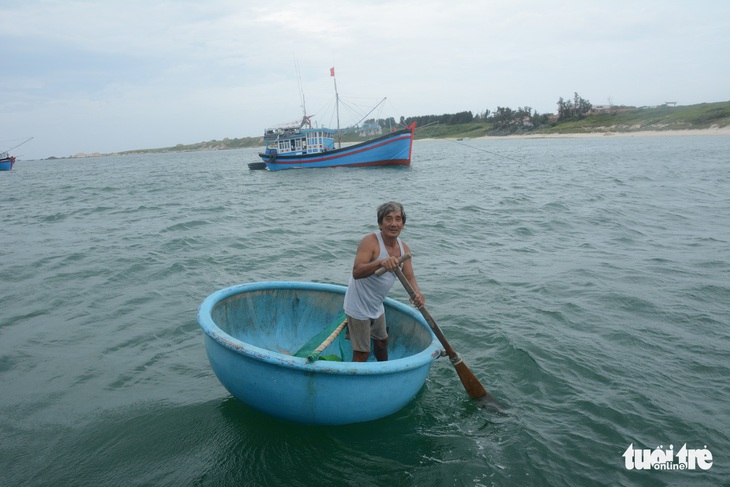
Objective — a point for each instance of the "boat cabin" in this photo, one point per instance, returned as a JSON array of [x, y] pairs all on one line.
[[295, 140]]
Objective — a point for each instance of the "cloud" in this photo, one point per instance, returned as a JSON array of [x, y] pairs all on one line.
[[85, 76]]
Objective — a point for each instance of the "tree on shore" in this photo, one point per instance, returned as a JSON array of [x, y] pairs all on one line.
[[446, 119], [505, 120], [575, 109]]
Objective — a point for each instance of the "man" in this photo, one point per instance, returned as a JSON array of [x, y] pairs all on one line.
[[366, 291]]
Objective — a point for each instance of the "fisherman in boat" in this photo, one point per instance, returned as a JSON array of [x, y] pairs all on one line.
[[367, 291]]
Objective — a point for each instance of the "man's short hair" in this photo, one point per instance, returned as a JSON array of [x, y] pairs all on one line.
[[386, 208]]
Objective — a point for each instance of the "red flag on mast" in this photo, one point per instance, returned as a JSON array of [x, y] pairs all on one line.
[[332, 71]]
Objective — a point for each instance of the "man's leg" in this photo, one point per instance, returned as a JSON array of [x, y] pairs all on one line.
[[380, 349], [360, 356], [358, 331]]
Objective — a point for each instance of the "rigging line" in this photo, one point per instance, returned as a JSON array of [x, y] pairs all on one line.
[[371, 111], [354, 112], [432, 132], [485, 150], [301, 88], [15, 147]]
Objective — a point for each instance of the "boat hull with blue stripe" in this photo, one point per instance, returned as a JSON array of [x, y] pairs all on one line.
[[392, 149], [252, 334], [6, 162]]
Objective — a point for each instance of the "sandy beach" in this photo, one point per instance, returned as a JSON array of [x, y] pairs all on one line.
[[641, 133]]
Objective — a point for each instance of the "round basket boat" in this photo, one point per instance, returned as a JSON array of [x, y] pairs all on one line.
[[252, 332]]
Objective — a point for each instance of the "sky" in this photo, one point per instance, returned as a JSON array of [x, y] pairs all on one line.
[[106, 76]]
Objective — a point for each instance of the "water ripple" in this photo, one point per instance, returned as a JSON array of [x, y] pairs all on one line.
[[586, 286]]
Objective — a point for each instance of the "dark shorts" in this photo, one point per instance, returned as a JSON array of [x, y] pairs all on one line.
[[359, 332]]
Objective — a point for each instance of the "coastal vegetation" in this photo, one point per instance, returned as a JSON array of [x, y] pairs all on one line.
[[574, 116]]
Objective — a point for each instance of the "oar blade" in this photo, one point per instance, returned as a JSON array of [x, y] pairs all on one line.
[[472, 385]]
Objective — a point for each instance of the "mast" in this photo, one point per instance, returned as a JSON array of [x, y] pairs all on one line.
[[337, 105], [305, 119]]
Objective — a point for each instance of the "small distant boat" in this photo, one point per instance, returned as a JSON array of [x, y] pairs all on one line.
[[299, 145], [6, 162], [252, 335]]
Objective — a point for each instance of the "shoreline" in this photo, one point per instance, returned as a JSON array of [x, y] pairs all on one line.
[[640, 133], [713, 131]]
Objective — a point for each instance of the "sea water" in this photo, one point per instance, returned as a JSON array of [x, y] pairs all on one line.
[[585, 282]]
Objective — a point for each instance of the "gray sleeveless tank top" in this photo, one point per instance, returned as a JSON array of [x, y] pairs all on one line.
[[364, 297]]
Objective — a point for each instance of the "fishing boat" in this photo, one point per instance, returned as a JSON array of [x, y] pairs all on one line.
[[6, 161], [300, 145], [260, 338], [297, 148]]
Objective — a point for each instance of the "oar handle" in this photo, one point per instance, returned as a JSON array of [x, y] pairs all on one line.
[[401, 259]]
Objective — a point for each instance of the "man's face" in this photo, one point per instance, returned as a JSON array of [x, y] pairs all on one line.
[[392, 224]]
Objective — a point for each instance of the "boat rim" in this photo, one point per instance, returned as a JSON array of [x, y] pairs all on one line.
[[211, 329]]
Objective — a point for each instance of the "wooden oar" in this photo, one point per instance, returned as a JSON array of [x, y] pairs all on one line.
[[472, 385], [317, 339], [317, 351]]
